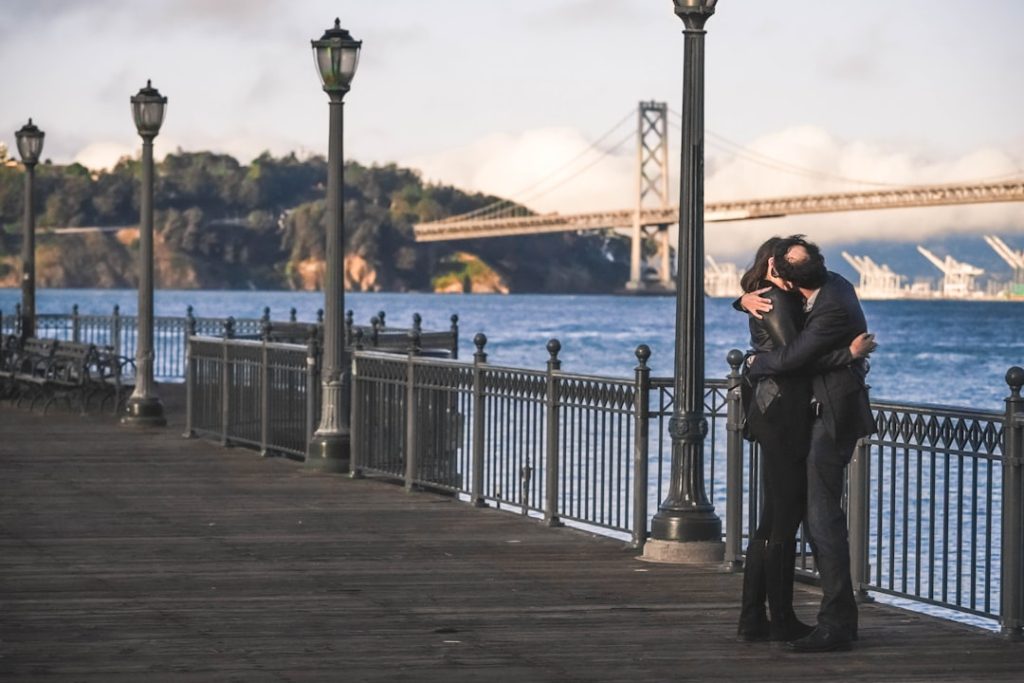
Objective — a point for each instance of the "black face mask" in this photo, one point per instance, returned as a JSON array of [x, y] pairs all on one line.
[[808, 274]]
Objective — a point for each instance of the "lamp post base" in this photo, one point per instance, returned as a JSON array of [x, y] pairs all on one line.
[[329, 453], [144, 412], [676, 552], [685, 525]]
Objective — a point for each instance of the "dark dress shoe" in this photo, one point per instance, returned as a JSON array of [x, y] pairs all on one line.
[[821, 639]]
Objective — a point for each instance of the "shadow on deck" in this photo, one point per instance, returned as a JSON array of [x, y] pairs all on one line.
[[135, 555]]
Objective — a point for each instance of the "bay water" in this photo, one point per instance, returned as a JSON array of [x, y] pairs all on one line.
[[938, 352]]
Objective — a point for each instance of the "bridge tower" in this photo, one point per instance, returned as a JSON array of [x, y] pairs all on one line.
[[652, 192]]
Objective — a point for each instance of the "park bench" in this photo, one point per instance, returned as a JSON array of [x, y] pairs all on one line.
[[47, 370], [65, 376], [112, 377], [10, 348], [25, 364], [290, 332]]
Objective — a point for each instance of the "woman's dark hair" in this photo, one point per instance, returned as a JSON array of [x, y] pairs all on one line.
[[758, 270]]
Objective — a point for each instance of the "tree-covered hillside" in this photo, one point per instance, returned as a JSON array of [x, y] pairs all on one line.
[[222, 224]]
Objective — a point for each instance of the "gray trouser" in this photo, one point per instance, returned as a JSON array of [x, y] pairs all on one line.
[[826, 526]]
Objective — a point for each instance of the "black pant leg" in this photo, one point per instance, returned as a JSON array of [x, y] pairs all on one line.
[[826, 525], [785, 477]]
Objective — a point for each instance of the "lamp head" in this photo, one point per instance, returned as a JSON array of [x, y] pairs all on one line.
[[336, 55], [30, 143], [148, 108], [694, 12]]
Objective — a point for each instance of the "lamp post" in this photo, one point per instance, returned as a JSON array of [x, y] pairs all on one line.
[[144, 406], [686, 528], [30, 146], [336, 55]]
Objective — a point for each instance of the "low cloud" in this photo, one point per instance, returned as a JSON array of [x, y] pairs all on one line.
[[531, 168], [103, 155], [834, 164]]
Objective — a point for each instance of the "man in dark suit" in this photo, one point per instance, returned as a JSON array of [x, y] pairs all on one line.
[[842, 415]]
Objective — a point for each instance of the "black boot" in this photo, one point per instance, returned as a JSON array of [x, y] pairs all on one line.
[[779, 561], [753, 618]]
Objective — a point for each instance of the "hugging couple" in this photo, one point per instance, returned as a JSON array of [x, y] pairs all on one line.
[[806, 404]]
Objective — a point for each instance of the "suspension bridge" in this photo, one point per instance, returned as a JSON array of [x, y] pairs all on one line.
[[653, 213]]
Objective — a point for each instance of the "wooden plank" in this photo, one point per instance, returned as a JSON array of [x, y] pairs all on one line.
[[127, 555]]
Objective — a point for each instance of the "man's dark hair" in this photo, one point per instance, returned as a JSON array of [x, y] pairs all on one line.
[[809, 273]]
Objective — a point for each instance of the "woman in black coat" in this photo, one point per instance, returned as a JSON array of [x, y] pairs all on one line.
[[779, 416]]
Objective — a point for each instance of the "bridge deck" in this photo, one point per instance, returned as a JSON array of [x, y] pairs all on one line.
[[129, 556]]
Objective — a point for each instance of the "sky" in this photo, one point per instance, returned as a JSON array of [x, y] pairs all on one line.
[[496, 96]]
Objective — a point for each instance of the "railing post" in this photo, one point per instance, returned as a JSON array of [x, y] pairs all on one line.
[[18, 319], [190, 325], [374, 331], [858, 495], [293, 315], [265, 388], [453, 351], [225, 379], [641, 416], [410, 408], [190, 372], [312, 384], [1011, 613], [356, 401], [479, 403], [380, 317], [734, 464], [265, 318], [551, 471], [76, 325], [349, 322], [115, 330]]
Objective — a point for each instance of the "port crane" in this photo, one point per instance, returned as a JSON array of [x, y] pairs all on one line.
[[721, 279], [958, 277], [1014, 258], [876, 281]]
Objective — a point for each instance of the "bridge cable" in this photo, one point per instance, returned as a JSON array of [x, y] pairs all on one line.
[[608, 152], [521, 195], [747, 154], [594, 146]]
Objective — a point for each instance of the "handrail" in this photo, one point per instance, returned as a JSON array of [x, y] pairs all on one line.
[[593, 451]]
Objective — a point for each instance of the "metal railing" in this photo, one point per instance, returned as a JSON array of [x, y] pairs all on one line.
[[120, 332], [253, 393], [489, 432], [930, 482], [266, 394], [929, 498], [171, 333], [935, 499]]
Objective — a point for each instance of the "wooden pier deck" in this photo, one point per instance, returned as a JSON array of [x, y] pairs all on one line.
[[139, 556]]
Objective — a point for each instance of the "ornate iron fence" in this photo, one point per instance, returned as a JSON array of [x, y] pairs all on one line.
[[935, 498], [171, 333], [488, 432], [934, 479], [265, 394], [934, 516], [253, 393]]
